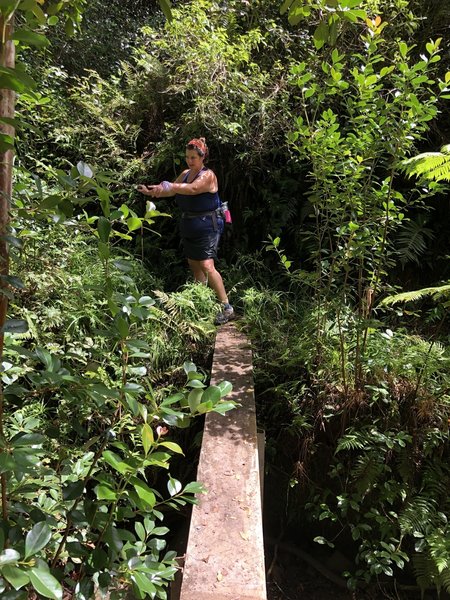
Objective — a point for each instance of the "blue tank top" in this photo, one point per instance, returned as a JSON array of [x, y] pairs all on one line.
[[204, 202]]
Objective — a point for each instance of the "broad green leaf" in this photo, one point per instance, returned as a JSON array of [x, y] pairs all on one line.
[[204, 407], [321, 34], [122, 326], [69, 28], [195, 487], [350, 3], [166, 8], [144, 492], [12, 240], [99, 558], [84, 590], [104, 492], [7, 6], [38, 12], [285, 6], [123, 265], [179, 420], [112, 538], [37, 538], [225, 388], [27, 439], [211, 394], [84, 170], [196, 383], [30, 37], [134, 223], [145, 586], [146, 301], [13, 281], [45, 584], [104, 229], [189, 366], [45, 357], [16, 576], [172, 446], [9, 556], [402, 46], [224, 407], [172, 399], [6, 142], [50, 202], [140, 530], [115, 462], [148, 439], [15, 326], [13, 80], [194, 399], [174, 486]]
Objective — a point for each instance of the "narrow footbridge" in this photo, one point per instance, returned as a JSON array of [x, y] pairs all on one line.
[[225, 551]]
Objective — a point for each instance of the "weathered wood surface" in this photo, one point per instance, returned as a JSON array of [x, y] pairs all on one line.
[[225, 552]]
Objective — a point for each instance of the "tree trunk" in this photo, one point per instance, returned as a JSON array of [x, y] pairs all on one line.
[[7, 102]]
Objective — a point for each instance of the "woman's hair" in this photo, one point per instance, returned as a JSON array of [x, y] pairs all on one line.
[[198, 144]]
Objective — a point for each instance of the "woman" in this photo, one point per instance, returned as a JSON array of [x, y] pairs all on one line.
[[196, 193]]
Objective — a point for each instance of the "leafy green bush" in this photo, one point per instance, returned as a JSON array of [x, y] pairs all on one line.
[[372, 474], [93, 396]]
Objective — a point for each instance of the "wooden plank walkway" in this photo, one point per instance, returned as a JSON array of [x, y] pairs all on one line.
[[225, 552]]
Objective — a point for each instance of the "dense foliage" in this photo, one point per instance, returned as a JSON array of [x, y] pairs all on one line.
[[312, 114]]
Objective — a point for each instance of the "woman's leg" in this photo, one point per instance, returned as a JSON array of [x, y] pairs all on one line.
[[197, 271], [213, 277]]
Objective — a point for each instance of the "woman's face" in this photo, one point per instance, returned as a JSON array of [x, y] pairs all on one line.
[[193, 160]]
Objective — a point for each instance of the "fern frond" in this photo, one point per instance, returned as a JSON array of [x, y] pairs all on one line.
[[419, 515], [353, 440], [412, 239], [435, 292], [429, 165], [445, 579], [424, 570], [435, 482], [368, 469]]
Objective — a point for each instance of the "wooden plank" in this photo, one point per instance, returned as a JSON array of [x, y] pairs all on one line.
[[225, 552]]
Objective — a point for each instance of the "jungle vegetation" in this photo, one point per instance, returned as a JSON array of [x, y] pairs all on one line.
[[327, 122]]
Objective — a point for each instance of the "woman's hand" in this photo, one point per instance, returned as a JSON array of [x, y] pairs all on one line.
[[144, 189], [154, 191]]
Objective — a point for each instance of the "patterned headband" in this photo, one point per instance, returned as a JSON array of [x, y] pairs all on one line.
[[199, 145]]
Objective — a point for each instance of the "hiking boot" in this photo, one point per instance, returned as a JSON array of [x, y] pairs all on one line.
[[225, 315]]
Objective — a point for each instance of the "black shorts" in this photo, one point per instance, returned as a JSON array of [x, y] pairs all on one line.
[[201, 247]]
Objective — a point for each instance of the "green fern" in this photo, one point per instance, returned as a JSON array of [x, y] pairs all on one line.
[[412, 239], [418, 516], [438, 292], [352, 440], [367, 471], [430, 165]]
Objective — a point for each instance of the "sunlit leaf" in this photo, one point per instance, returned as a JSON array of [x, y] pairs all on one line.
[[16, 576], [9, 556], [172, 446], [45, 584], [37, 538], [148, 438], [174, 486]]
